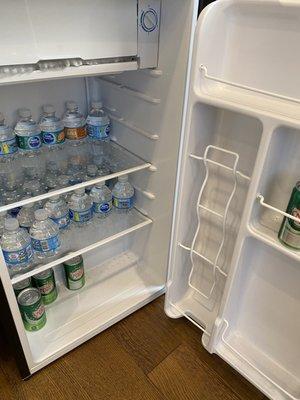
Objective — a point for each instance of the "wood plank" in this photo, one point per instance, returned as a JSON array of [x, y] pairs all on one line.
[[147, 335], [106, 371], [182, 376]]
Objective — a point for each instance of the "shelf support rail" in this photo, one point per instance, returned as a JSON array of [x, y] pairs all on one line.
[[262, 202], [192, 250], [205, 74]]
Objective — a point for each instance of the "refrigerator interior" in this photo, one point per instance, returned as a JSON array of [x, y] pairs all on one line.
[[229, 274], [125, 257]]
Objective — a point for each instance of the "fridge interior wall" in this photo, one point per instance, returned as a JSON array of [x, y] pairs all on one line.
[[130, 271]]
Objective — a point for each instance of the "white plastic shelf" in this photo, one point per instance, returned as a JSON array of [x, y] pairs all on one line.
[[98, 232], [116, 158]]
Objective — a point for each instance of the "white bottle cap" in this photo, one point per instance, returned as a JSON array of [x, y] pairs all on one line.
[[1, 117], [71, 105], [55, 198], [3, 213], [48, 109], [97, 104], [30, 205], [91, 168], [79, 191], [24, 112], [100, 184], [123, 178], [41, 214], [11, 224]]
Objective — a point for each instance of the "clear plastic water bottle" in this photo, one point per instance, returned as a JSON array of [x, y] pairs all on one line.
[[52, 128], [74, 123], [100, 160], [123, 194], [26, 216], [32, 188], [81, 208], [44, 235], [98, 123], [102, 200], [3, 216], [76, 171], [27, 132], [51, 176], [16, 247], [8, 142], [58, 211], [91, 173]]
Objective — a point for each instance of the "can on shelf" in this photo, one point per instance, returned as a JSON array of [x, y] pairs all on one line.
[[289, 233], [74, 271], [32, 310], [45, 282], [19, 286]]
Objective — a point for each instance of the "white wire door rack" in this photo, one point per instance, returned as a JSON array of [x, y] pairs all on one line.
[[223, 216]]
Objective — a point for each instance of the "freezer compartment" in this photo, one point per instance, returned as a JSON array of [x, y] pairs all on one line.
[[219, 157], [117, 283], [261, 328], [251, 63], [279, 177]]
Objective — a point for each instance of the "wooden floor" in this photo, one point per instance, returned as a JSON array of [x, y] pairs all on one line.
[[146, 356]]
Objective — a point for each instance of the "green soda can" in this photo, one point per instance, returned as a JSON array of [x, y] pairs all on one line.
[[74, 271], [19, 286], [45, 282], [289, 233], [32, 309]]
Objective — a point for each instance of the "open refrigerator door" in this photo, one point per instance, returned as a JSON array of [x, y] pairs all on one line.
[[228, 272]]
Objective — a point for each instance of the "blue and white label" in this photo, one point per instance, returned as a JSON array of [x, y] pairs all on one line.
[[8, 147], [22, 256], [123, 203], [46, 245], [97, 128], [102, 208], [52, 138], [81, 216], [62, 222]]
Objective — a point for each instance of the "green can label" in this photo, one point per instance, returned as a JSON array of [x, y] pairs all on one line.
[[29, 142], [33, 314], [74, 271], [289, 233], [47, 287]]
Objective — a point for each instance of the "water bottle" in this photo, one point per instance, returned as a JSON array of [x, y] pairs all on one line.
[[58, 211], [102, 200], [75, 171], [80, 206], [32, 188], [91, 173], [52, 128], [16, 247], [74, 123], [123, 194], [12, 184], [26, 216], [98, 123], [44, 235], [3, 216], [8, 142], [27, 133]]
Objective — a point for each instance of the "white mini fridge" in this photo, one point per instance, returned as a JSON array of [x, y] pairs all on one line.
[[206, 123]]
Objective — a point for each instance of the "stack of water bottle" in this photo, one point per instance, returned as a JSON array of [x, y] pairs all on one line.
[[28, 136], [37, 233]]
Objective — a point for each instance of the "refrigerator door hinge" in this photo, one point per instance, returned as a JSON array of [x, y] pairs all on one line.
[[209, 342]]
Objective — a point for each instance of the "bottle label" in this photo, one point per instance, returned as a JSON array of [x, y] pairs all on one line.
[[52, 138], [21, 256], [29, 142], [46, 245], [75, 133], [123, 203], [62, 222], [97, 129], [8, 147], [81, 216], [102, 208]]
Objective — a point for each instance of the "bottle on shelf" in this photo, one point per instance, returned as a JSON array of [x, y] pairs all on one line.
[[123, 195], [91, 173], [52, 128], [16, 247], [51, 176], [74, 123], [58, 211], [102, 200], [27, 132], [44, 235], [8, 142], [100, 159], [12, 185], [80, 206], [98, 123], [3, 216], [32, 188], [26, 216], [76, 171]]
